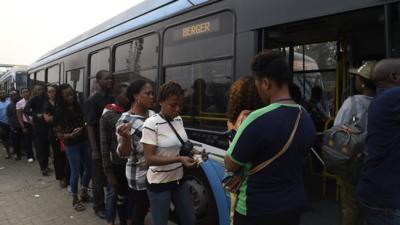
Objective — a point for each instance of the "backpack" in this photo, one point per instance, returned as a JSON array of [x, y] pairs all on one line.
[[342, 147]]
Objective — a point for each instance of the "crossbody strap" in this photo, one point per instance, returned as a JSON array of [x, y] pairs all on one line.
[[282, 151], [173, 128]]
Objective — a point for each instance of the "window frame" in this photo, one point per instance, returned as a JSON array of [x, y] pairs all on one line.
[[59, 73], [89, 58]]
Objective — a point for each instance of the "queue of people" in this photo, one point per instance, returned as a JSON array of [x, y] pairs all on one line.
[[134, 157]]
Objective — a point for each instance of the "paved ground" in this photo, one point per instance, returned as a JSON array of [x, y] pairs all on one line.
[[28, 198]]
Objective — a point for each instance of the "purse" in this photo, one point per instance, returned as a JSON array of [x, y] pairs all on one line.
[[233, 181]]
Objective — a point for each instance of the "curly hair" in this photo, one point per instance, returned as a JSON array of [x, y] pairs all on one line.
[[243, 95], [169, 89]]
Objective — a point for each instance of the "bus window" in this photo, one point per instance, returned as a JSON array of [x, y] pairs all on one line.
[[206, 88], [21, 80], [53, 74], [98, 61], [40, 77], [192, 41], [137, 59], [315, 65], [75, 79]]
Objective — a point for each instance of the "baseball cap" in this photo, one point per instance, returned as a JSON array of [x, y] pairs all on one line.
[[365, 70]]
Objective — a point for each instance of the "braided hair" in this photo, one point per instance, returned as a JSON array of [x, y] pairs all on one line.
[[169, 89]]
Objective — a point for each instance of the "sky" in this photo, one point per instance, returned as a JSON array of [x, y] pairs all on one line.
[[31, 28]]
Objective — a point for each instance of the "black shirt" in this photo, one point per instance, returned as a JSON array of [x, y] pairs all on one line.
[[66, 120], [94, 107], [11, 113], [34, 108]]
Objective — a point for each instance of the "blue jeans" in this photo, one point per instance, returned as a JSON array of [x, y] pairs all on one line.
[[160, 205], [379, 216], [78, 154], [110, 204]]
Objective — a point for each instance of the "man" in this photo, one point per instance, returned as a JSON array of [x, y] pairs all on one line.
[[34, 108], [275, 195], [4, 127], [16, 132], [94, 108], [114, 166], [25, 123], [379, 186]]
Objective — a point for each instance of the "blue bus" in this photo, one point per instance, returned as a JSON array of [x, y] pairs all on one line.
[[205, 45]]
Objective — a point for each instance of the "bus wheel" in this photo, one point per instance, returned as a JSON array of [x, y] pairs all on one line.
[[203, 199]]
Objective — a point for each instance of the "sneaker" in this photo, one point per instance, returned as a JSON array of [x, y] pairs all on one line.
[[69, 189], [31, 160]]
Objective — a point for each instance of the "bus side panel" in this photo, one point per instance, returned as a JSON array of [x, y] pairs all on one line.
[[214, 173]]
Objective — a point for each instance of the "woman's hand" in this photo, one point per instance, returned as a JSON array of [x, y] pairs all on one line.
[[187, 161], [242, 116], [125, 130], [76, 132]]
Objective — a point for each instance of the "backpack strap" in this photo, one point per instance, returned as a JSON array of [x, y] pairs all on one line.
[[282, 151]]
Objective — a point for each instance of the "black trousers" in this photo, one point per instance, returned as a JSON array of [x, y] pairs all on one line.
[[60, 159], [140, 204], [16, 140], [287, 218], [5, 136], [27, 141], [99, 181], [42, 145], [122, 193]]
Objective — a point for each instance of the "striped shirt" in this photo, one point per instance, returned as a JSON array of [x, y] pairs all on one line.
[[136, 167], [157, 132]]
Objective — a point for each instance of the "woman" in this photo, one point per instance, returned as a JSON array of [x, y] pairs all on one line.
[[355, 110], [60, 161], [34, 108], [129, 130], [161, 150], [70, 128], [243, 98]]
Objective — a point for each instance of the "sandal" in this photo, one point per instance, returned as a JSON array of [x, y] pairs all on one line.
[[78, 206], [85, 197]]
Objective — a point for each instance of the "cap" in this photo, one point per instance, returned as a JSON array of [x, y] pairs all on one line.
[[365, 70]]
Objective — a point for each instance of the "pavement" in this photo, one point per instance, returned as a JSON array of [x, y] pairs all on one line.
[[28, 198]]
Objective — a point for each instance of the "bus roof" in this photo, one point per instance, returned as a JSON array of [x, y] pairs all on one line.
[[145, 13]]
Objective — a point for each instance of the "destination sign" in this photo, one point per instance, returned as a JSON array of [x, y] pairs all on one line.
[[193, 30]]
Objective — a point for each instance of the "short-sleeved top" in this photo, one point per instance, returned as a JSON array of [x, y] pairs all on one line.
[[3, 109], [66, 120], [20, 106], [12, 116], [357, 105], [380, 184], [94, 107], [136, 167], [156, 131], [279, 187]]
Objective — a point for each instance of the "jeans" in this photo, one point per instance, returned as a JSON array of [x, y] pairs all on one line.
[[160, 205], [379, 216], [78, 153], [110, 204]]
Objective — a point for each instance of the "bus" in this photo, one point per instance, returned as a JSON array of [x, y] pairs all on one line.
[[205, 45], [14, 79]]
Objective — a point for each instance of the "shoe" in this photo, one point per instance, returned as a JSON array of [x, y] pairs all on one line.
[[84, 196], [31, 160], [63, 183], [49, 170], [45, 173], [101, 214]]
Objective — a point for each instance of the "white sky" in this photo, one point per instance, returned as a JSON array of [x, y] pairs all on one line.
[[30, 28]]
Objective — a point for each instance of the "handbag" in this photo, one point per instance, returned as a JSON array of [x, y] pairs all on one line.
[[233, 181]]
